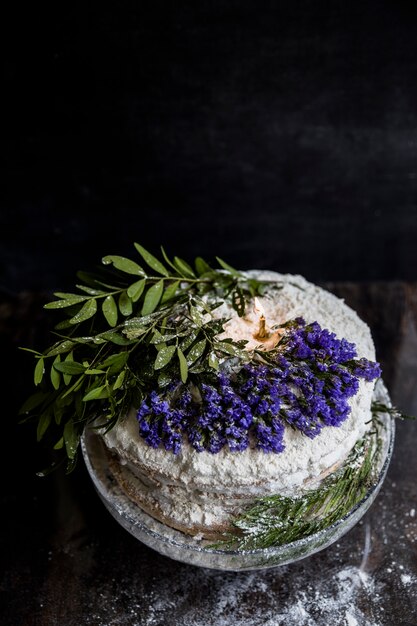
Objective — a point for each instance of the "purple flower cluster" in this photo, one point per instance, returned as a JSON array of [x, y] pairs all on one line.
[[159, 422], [307, 385], [210, 416]]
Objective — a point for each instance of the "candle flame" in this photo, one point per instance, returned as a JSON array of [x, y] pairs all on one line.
[[258, 308]]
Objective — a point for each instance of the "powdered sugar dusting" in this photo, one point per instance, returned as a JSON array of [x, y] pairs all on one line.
[[256, 599]]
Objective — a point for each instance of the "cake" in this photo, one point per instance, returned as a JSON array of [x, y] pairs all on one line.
[[199, 492], [222, 403]]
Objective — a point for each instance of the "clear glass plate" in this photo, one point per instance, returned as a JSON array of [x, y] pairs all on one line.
[[181, 547]]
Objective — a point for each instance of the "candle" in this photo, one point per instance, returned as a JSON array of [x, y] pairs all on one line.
[[268, 340], [262, 332]]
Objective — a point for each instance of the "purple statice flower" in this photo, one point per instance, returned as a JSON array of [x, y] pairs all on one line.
[[367, 369], [269, 436], [223, 417], [159, 423], [307, 385]]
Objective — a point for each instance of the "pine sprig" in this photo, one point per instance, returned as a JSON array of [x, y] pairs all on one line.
[[276, 520], [125, 327], [379, 407]]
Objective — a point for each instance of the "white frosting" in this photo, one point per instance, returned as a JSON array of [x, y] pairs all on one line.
[[200, 488]]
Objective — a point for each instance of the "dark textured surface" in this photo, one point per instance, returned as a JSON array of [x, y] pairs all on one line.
[[66, 561], [280, 137]]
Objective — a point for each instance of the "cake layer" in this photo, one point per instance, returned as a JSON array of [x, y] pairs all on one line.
[[198, 491]]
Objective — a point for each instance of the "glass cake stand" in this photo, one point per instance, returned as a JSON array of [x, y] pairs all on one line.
[[181, 547]]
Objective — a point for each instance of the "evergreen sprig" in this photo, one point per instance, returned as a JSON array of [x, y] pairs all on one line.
[[277, 520], [125, 327], [393, 411]]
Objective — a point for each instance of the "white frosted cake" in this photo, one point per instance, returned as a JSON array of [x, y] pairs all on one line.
[[198, 492]]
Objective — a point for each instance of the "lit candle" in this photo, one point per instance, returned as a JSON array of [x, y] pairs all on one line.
[[267, 339], [262, 332]]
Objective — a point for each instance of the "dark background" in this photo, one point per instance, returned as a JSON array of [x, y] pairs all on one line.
[[280, 137], [276, 135]]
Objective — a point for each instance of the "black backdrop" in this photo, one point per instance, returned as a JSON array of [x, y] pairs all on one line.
[[274, 136]]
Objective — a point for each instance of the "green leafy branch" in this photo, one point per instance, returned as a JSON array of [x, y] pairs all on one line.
[[120, 336], [276, 520]]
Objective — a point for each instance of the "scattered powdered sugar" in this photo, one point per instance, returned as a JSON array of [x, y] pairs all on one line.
[[350, 619], [259, 599], [406, 579], [342, 597]]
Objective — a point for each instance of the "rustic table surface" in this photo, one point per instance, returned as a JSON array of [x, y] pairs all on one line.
[[66, 561]]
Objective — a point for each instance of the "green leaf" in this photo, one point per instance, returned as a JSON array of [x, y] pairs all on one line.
[[71, 439], [164, 379], [79, 406], [68, 359], [201, 266], [196, 316], [55, 375], [157, 337], [183, 365], [123, 264], [183, 267], [31, 351], [196, 351], [63, 325], [75, 297], [238, 301], [58, 413], [90, 290], [170, 291], [39, 371], [74, 387], [203, 306], [228, 347], [48, 470], [134, 333], [151, 260], [164, 356], [69, 299], [61, 348], [119, 380], [110, 310], [93, 280], [136, 289], [32, 402], [228, 267], [125, 304], [44, 421], [186, 343], [115, 338], [115, 362], [59, 444], [152, 298], [142, 322], [87, 311], [96, 394], [167, 259], [213, 361], [70, 367], [71, 463]]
